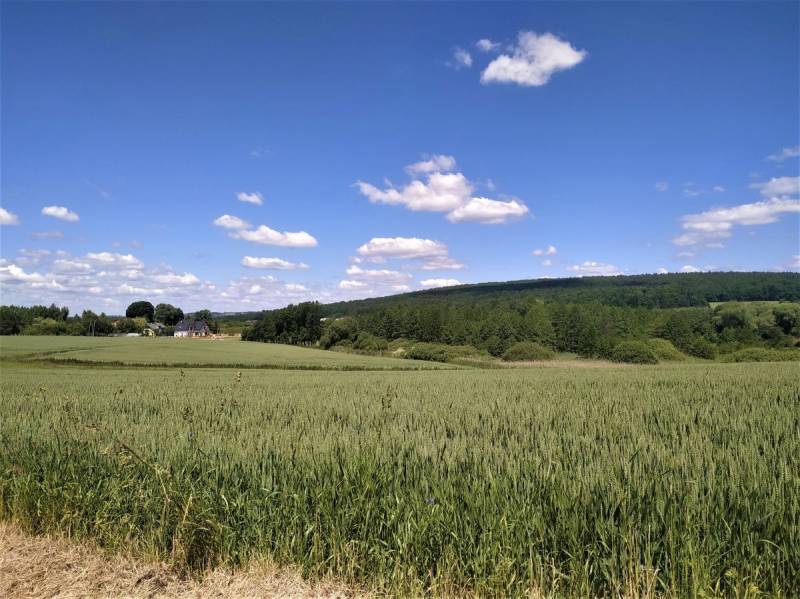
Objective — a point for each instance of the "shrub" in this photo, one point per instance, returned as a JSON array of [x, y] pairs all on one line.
[[634, 352], [369, 343], [762, 354], [439, 352], [700, 347], [664, 350], [528, 350]]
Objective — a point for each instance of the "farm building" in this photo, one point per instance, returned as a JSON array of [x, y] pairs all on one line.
[[192, 328], [153, 329]]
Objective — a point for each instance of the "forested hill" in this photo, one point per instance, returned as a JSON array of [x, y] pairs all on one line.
[[673, 290]]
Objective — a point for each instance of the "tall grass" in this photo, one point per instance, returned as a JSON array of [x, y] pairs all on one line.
[[679, 480]]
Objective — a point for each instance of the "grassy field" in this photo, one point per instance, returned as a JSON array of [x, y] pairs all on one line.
[[676, 480], [172, 352]]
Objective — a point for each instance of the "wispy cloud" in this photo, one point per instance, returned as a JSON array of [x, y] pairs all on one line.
[[438, 283], [591, 268], [785, 154], [272, 263], [487, 45], [461, 59], [550, 250], [251, 198]]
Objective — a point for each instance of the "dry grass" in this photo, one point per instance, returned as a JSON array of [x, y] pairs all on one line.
[[47, 567], [559, 363]]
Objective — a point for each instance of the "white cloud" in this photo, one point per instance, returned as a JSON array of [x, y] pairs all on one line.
[[402, 248], [11, 272], [443, 191], [488, 212], [251, 198], [794, 263], [486, 45], [436, 283], [662, 271], [385, 275], [436, 163], [63, 265], [550, 250], [461, 59], [445, 263], [295, 287], [348, 284], [715, 224], [60, 212], [172, 278], [47, 235], [401, 288], [779, 186], [227, 221], [8, 218], [547, 262], [662, 186], [534, 60], [718, 189], [591, 268], [266, 236], [784, 154], [109, 260], [690, 268], [272, 263]]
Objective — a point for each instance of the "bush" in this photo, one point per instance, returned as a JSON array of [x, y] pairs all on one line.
[[664, 350], [368, 342], [762, 354], [439, 352], [527, 350], [634, 352], [700, 347]]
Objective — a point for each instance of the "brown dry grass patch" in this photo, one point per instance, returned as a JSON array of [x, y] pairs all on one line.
[[32, 566]]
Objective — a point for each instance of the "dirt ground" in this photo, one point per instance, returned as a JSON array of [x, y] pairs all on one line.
[[46, 567]]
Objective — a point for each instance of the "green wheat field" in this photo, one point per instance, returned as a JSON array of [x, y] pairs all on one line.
[[676, 480]]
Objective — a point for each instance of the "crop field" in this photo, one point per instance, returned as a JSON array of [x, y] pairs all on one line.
[[168, 351], [672, 480]]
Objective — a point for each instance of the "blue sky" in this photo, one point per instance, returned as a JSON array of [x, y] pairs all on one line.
[[248, 155]]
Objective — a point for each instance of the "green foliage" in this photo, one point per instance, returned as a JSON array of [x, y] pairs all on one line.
[[46, 326], [761, 354], [296, 325], [670, 481], [527, 350], [367, 342], [168, 314], [141, 309], [664, 350], [699, 347], [634, 352], [439, 352], [128, 325]]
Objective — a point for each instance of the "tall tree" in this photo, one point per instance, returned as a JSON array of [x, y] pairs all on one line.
[[141, 308]]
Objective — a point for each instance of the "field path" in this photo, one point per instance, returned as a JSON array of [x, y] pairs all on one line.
[[46, 567]]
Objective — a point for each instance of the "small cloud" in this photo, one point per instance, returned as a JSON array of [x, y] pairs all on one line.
[[718, 189], [550, 250], [461, 59], [487, 45], [272, 263], [592, 269], [547, 262], [402, 248], [488, 212], [8, 218], [438, 163], [534, 59], [61, 212], [250, 198], [266, 236], [445, 263], [778, 186], [348, 284], [47, 235], [437, 283], [662, 271], [662, 186], [227, 221], [784, 154]]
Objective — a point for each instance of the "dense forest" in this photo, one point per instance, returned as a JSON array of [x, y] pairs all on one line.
[[699, 314]]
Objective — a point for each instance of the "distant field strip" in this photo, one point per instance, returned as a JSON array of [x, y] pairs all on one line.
[[678, 480], [193, 353]]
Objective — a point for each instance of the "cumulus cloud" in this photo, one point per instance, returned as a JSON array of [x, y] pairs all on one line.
[[64, 265], [550, 250], [461, 59], [715, 224], [662, 186], [250, 198], [350, 284], [241, 229], [488, 212], [402, 248], [11, 272], [383, 274], [436, 283], [226, 221], [784, 154], [436, 163], [486, 45], [61, 212], [272, 263], [110, 260], [591, 269], [8, 218], [779, 186], [440, 190], [534, 59], [171, 278]]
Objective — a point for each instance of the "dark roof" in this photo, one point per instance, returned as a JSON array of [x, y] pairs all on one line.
[[191, 325]]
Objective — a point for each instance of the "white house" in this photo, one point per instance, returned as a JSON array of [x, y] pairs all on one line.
[[192, 328]]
